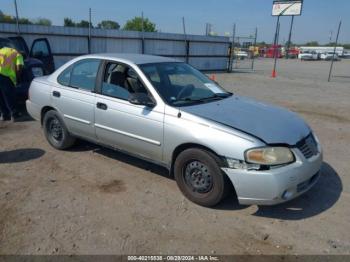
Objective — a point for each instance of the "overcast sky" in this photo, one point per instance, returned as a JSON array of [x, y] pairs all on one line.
[[319, 17]]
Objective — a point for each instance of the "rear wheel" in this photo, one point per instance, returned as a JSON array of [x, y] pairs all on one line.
[[56, 132], [199, 177]]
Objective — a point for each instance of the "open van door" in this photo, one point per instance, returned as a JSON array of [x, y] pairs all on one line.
[[41, 50]]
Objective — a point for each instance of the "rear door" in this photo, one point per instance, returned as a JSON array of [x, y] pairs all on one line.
[[74, 97], [41, 50]]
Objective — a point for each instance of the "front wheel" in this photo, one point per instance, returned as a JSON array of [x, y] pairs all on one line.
[[199, 177], [56, 132]]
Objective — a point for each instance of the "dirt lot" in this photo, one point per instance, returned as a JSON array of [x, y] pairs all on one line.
[[91, 200]]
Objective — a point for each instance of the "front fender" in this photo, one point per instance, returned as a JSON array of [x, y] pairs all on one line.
[[187, 129]]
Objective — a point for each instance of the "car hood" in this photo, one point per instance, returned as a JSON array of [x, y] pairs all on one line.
[[271, 124]]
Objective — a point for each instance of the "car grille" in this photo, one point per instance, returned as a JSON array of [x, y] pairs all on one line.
[[308, 146]]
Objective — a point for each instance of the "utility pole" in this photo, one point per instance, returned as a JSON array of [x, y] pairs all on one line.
[[17, 18], [209, 29], [254, 46], [233, 44], [143, 34], [187, 48], [330, 36], [89, 37], [290, 36], [335, 49]]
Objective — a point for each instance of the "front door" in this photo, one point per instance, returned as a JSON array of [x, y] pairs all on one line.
[[133, 128], [41, 50]]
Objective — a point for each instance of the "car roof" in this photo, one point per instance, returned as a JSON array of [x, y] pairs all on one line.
[[137, 59]]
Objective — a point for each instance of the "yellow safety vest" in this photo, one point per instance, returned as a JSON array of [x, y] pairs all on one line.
[[9, 59]]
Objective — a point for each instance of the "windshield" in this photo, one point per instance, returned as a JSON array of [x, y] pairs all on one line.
[[180, 84]]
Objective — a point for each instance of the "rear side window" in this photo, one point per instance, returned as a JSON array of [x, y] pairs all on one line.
[[84, 74], [81, 75], [64, 77]]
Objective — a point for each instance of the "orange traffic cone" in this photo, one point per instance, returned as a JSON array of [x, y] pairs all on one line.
[[213, 77]]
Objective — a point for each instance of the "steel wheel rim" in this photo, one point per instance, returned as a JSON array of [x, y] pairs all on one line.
[[197, 177], [55, 129]]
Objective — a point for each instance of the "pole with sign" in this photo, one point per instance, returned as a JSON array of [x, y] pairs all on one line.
[[283, 8], [289, 37]]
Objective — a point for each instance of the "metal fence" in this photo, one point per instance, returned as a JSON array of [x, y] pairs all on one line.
[[244, 51], [203, 52]]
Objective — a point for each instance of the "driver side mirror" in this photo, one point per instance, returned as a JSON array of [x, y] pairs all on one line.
[[141, 99]]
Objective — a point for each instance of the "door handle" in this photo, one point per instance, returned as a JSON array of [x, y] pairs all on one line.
[[56, 94], [101, 106]]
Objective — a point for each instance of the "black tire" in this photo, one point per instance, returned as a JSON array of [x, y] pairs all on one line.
[[199, 177], [56, 131]]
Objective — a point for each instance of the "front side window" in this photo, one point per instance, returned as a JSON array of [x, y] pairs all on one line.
[[180, 84], [114, 81], [120, 80], [40, 48], [84, 73]]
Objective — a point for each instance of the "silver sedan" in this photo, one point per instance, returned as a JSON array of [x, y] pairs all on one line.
[[167, 112]]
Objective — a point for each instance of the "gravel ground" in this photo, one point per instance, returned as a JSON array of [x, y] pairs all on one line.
[[92, 200]]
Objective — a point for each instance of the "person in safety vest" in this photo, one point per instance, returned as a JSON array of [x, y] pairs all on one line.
[[11, 63]]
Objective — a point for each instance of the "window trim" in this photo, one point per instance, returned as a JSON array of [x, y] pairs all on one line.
[[71, 66], [104, 64]]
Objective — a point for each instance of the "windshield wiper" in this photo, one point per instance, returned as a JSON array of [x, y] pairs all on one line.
[[218, 96], [188, 99]]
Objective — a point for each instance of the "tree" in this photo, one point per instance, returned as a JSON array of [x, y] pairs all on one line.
[[347, 46], [83, 23], [312, 43], [108, 24], [24, 21], [42, 21], [135, 24], [68, 22], [4, 18], [261, 44]]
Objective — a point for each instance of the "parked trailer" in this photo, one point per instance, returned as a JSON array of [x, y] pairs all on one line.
[[322, 49]]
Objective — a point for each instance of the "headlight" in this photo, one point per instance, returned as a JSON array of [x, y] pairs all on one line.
[[37, 71], [239, 164], [269, 156]]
